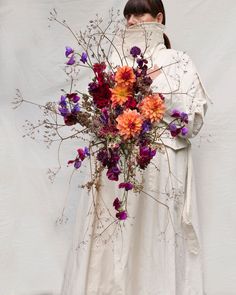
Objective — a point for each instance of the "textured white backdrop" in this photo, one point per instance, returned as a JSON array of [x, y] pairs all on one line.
[[33, 248]]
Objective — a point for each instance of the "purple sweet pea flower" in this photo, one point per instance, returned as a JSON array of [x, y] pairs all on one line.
[[176, 132], [147, 125], [184, 131], [73, 97], [137, 73], [176, 113], [172, 127], [68, 51], [77, 164], [122, 215], [104, 116], [86, 150], [141, 62], [135, 51], [76, 98], [81, 154], [126, 185], [76, 109], [64, 111], [117, 204], [113, 173], [109, 158], [114, 158], [102, 156], [145, 156], [147, 152], [84, 57], [184, 117], [62, 101], [71, 61], [144, 70]]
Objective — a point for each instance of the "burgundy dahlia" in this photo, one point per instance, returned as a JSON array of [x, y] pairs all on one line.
[[102, 96]]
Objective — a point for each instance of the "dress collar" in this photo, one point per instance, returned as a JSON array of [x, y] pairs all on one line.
[[147, 36]]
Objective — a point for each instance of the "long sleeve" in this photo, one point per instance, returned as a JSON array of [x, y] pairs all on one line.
[[183, 90], [190, 96]]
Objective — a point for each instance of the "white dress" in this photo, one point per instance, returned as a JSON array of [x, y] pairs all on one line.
[[156, 251]]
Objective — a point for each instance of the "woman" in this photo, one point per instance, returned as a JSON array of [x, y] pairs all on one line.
[[157, 250]]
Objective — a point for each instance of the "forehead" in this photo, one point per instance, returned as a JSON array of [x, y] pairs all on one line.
[[136, 7]]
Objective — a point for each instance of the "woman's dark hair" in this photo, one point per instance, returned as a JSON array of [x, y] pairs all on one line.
[[147, 6]]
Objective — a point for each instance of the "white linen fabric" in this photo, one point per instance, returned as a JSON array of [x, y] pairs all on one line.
[[157, 250], [33, 248]]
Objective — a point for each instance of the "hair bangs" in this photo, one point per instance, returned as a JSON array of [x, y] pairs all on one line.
[[136, 7]]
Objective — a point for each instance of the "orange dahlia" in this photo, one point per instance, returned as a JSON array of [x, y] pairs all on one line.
[[120, 94], [129, 123], [125, 76], [152, 108]]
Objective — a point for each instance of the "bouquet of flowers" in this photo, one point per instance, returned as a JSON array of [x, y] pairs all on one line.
[[119, 112]]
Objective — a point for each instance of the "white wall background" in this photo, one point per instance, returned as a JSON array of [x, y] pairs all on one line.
[[32, 247]]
